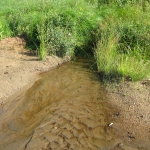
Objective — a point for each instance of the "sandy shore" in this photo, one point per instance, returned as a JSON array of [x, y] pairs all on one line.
[[19, 67]]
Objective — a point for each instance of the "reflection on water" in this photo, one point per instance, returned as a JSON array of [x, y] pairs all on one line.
[[65, 109]]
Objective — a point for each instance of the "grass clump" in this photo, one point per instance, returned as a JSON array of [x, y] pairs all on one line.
[[123, 49], [54, 27]]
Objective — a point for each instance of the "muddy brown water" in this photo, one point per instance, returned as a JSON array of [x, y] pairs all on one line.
[[66, 109]]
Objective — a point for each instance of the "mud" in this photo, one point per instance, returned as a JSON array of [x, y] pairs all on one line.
[[66, 109]]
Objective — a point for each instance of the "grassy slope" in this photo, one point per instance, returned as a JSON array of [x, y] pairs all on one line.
[[117, 33], [53, 26]]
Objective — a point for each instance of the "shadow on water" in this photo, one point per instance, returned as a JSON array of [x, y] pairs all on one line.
[[66, 109]]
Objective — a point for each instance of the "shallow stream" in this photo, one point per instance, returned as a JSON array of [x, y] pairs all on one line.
[[66, 109]]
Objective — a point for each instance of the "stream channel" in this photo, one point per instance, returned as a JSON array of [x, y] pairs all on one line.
[[66, 108]]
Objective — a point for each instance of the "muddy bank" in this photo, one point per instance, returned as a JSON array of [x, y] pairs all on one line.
[[66, 109], [69, 109], [19, 66]]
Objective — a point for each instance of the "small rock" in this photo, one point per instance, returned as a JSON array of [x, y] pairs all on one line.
[[111, 124], [120, 144], [132, 137], [141, 116], [117, 114], [5, 72]]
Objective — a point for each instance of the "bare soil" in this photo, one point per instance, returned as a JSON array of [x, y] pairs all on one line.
[[19, 66], [132, 116], [130, 102]]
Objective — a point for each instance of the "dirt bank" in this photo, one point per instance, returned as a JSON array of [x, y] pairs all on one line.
[[130, 101], [19, 67], [132, 116]]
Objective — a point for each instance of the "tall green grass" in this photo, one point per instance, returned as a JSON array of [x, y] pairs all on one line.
[[123, 48], [54, 27], [116, 32]]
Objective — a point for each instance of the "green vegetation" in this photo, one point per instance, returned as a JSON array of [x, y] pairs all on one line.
[[123, 48], [54, 27], [115, 32]]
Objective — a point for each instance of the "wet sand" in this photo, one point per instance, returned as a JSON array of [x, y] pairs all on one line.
[[30, 118], [66, 109]]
